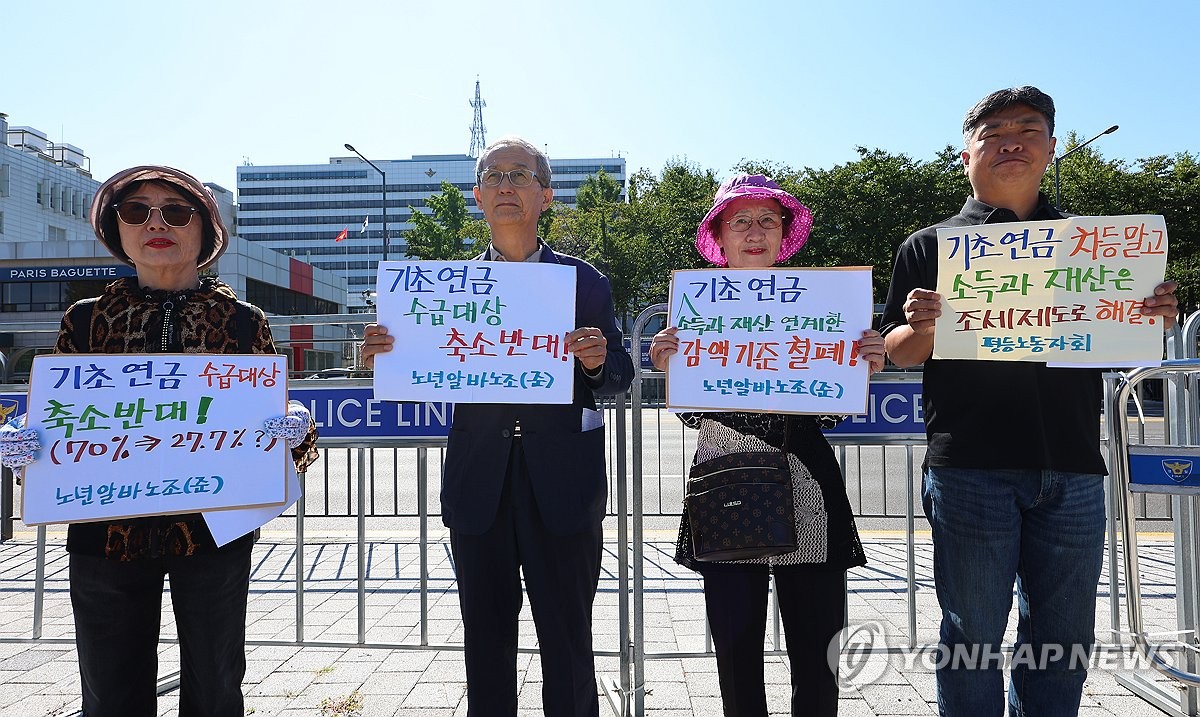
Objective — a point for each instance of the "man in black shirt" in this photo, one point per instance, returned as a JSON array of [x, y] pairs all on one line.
[[1014, 478]]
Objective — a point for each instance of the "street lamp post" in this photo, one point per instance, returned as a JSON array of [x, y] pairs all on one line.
[[383, 186], [1057, 160]]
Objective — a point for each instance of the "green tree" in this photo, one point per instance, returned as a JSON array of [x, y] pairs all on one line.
[[575, 232], [1178, 200], [654, 235], [862, 211], [598, 191], [546, 218], [598, 201], [638, 244], [1166, 185], [444, 234]]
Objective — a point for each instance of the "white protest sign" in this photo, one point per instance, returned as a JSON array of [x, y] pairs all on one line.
[[476, 332], [783, 340], [227, 526], [1067, 292], [131, 435]]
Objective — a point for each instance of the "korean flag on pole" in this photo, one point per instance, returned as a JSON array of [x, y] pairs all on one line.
[[366, 221]]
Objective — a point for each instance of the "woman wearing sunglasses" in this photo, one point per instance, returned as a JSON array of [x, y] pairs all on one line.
[[755, 224], [164, 223]]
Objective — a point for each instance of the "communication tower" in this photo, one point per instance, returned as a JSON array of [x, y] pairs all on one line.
[[478, 140]]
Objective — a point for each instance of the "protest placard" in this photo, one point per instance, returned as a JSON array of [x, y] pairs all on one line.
[[229, 524], [476, 332], [1067, 292], [131, 435], [782, 340]]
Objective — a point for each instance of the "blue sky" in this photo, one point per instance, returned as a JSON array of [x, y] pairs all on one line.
[[205, 86]]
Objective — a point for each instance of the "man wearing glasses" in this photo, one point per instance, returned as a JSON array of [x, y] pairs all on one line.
[[524, 486]]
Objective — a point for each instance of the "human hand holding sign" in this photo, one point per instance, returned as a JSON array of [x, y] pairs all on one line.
[[1163, 304], [376, 340], [19, 445], [589, 347], [922, 309], [293, 427]]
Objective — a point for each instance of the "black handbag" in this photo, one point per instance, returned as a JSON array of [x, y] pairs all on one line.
[[740, 506]]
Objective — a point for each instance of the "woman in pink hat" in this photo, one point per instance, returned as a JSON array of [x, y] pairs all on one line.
[[755, 224]]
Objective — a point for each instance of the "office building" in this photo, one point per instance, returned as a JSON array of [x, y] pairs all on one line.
[[50, 258], [301, 208]]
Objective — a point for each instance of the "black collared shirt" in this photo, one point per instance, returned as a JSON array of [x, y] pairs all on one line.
[[997, 414]]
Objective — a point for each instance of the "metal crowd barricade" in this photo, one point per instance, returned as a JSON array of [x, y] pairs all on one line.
[[363, 450], [626, 692], [1178, 455], [615, 689]]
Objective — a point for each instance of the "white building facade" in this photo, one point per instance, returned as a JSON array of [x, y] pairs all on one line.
[[45, 189], [50, 258], [301, 208]]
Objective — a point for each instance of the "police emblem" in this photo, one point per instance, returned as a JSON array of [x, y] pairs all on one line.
[[8, 406], [1176, 469]]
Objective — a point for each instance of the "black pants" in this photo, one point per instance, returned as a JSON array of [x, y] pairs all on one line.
[[812, 603], [118, 607], [561, 573]]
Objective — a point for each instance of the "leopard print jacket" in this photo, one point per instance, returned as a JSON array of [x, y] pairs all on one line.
[[129, 319]]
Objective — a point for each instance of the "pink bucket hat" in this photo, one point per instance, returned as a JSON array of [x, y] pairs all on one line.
[[797, 220]]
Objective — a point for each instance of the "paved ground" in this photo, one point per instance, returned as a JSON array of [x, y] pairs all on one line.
[[39, 677]]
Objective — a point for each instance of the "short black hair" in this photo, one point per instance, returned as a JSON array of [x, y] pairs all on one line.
[[1002, 100]]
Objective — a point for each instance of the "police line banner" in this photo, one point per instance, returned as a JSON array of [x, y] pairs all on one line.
[[893, 409], [781, 340], [476, 332], [132, 435], [1067, 292]]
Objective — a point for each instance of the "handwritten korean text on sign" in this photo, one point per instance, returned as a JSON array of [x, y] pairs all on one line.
[[130, 435], [770, 339], [1065, 292], [476, 332]]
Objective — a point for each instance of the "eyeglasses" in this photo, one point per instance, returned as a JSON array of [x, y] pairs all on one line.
[[138, 213], [766, 221], [516, 177]]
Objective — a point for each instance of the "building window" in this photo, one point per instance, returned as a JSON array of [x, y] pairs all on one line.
[[323, 174], [1, 222], [18, 296], [285, 302], [4, 173], [41, 193], [317, 360], [56, 233]]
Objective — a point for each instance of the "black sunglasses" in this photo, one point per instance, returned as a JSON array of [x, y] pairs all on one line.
[[138, 213]]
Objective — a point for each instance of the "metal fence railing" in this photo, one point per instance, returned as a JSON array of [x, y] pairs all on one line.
[[387, 482]]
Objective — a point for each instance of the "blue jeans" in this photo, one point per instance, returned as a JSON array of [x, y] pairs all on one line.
[[1046, 530]]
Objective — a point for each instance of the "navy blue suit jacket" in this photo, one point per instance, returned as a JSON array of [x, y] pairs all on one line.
[[565, 464]]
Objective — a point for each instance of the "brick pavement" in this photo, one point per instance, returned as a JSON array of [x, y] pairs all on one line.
[[40, 678]]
